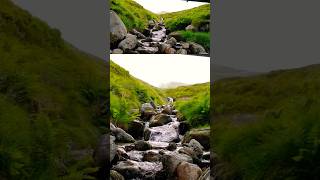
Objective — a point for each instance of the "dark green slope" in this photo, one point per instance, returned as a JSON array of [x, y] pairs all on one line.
[[53, 101], [268, 126]]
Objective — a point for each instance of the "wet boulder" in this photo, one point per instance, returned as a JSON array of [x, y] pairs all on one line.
[[188, 171], [151, 156], [197, 49], [128, 169], [172, 41], [142, 145], [167, 109], [197, 147], [171, 161], [122, 136], [117, 51], [159, 120], [138, 34], [172, 146], [182, 51], [129, 43], [201, 135], [163, 47], [136, 129], [147, 111], [118, 30]]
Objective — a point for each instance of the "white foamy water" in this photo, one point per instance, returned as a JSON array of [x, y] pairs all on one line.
[[165, 6], [159, 69]]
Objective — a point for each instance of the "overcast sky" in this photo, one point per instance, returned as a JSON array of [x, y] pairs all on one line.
[[164, 68], [160, 6]]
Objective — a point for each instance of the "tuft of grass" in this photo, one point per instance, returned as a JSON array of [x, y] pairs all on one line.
[[202, 38], [132, 14]]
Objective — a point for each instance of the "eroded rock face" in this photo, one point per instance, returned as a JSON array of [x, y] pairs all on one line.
[[188, 171], [118, 30]]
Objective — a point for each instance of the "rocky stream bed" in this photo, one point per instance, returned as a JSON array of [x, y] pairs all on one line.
[[155, 39], [159, 146]]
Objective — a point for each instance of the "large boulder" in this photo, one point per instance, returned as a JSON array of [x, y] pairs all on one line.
[[129, 169], [172, 41], [197, 49], [129, 43], [117, 51], [167, 109], [114, 175], [105, 151], [182, 51], [122, 136], [147, 111], [118, 30], [136, 129], [142, 145], [151, 156], [159, 120], [170, 51], [163, 47], [201, 135], [188, 171], [171, 161], [197, 147]]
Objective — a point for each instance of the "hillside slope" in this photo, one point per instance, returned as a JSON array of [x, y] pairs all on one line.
[[128, 93], [267, 126], [132, 14], [53, 101]]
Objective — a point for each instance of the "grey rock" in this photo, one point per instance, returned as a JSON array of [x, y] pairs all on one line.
[[118, 30], [172, 41], [122, 136], [182, 51], [136, 129], [142, 145], [188, 171], [117, 51], [197, 48], [159, 120], [147, 50], [129, 43]]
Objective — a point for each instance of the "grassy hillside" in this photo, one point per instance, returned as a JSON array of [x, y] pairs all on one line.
[[132, 14], [193, 102], [128, 93], [267, 126], [179, 20], [52, 101]]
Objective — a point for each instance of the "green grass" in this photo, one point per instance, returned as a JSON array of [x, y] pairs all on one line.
[[52, 100], [128, 93], [282, 141], [193, 102], [202, 38], [132, 14], [180, 20]]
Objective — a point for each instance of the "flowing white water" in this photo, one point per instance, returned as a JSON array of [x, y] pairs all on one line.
[[165, 6]]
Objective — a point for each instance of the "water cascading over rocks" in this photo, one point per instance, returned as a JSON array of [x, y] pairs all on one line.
[[156, 151], [155, 39]]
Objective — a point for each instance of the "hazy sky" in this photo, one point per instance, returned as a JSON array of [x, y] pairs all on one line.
[[159, 6], [162, 69]]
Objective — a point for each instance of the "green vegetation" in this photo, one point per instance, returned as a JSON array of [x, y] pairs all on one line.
[[180, 20], [53, 101], [132, 14], [202, 38], [128, 93], [281, 139], [193, 102]]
